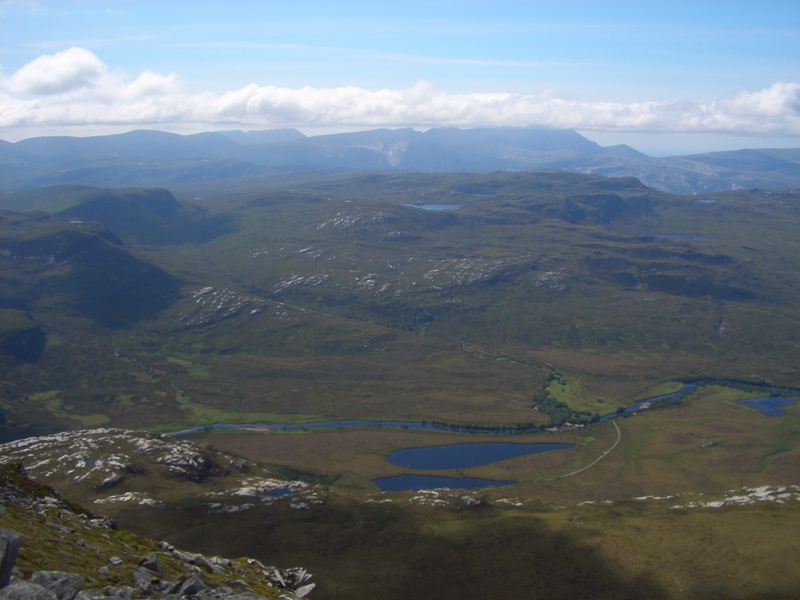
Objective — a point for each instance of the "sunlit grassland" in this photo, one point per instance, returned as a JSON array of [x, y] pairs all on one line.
[[403, 376], [578, 396], [709, 445]]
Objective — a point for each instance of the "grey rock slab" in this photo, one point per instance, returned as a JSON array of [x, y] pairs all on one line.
[[296, 576], [9, 548], [304, 591], [109, 593], [143, 579], [227, 594], [275, 577], [169, 587], [64, 585], [110, 482], [151, 562], [24, 590], [91, 595], [58, 527], [202, 561], [122, 593], [192, 585], [184, 556]]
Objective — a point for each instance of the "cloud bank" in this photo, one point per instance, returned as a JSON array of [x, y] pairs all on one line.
[[75, 88]]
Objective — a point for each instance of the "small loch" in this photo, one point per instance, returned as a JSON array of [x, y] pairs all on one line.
[[672, 236], [436, 207], [770, 406]]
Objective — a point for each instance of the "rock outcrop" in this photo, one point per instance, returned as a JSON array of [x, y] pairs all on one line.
[[110, 466], [51, 549]]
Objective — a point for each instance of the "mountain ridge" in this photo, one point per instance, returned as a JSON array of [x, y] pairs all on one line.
[[161, 158]]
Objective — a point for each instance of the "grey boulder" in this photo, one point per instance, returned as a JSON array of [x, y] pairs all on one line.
[[9, 548], [64, 585], [24, 590]]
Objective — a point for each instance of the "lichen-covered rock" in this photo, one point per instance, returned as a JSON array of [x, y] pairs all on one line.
[[99, 464], [64, 585], [103, 455]]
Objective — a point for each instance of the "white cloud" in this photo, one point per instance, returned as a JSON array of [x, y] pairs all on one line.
[[150, 85], [74, 88], [57, 73], [777, 100]]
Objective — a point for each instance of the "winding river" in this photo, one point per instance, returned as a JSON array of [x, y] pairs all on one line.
[[462, 456], [637, 406]]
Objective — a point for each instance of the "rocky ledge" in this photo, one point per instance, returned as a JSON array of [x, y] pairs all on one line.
[[52, 549], [124, 467]]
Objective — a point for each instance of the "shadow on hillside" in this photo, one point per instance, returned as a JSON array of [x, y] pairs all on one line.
[[384, 551], [149, 216]]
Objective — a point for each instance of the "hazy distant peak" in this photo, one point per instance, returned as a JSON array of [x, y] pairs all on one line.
[[265, 136], [624, 150], [527, 138]]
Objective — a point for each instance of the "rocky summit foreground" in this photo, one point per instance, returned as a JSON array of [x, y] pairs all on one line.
[[51, 549]]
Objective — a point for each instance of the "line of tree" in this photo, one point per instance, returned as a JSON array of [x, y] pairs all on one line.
[[499, 429]]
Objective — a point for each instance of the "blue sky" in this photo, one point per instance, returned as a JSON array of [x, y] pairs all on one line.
[[661, 76]]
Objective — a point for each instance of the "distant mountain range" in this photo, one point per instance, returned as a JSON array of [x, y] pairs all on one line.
[[155, 158]]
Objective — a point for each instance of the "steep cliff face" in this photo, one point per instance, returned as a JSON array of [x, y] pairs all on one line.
[[52, 549]]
